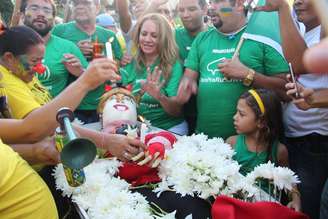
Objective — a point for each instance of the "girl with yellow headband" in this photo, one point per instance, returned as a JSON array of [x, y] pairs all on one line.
[[258, 123]]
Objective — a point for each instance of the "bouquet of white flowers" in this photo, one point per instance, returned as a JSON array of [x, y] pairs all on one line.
[[105, 196], [204, 167], [201, 166], [276, 179]]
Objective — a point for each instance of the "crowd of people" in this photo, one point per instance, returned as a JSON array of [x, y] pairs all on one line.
[[188, 73]]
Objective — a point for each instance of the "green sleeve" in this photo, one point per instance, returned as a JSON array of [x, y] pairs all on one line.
[[274, 62], [192, 61], [77, 52], [172, 86]]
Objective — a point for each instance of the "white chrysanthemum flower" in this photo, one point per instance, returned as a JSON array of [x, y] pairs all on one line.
[[264, 171], [198, 165], [284, 178]]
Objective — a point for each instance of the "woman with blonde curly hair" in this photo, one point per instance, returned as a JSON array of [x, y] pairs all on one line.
[[155, 73]]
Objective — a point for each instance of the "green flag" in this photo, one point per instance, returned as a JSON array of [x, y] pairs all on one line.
[[264, 27]]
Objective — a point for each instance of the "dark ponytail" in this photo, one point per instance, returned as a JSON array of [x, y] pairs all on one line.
[[18, 40]]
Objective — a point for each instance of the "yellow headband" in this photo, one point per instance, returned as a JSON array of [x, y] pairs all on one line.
[[258, 100]]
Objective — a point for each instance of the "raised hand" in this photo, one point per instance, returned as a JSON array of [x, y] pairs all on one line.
[[73, 64], [153, 84], [187, 87], [86, 48], [99, 71]]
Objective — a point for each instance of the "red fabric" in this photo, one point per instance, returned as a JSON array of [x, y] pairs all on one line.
[[168, 135], [230, 208], [138, 175]]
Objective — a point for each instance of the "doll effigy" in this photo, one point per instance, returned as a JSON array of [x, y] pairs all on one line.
[[118, 113]]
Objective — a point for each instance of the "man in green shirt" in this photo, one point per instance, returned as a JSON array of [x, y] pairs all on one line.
[[222, 79], [83, 31], [62, 57], [191, 13]]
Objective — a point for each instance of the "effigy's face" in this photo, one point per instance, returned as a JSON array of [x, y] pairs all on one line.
[[119, 109]]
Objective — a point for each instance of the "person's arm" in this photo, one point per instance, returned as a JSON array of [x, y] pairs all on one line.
[[117, 145], [234, 69], [43, 152], [42, 121], [16, 14], [188, 86], [232, 141], [125, 19], [154, 5], [309, 98], [293, 44]]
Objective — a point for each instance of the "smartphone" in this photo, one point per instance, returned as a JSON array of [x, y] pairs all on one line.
[[297, 94]]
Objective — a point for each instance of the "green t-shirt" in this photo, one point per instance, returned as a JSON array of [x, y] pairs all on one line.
[[149, 107], [184, 41], [249, 159], [217, 97], [55, 79], [71, 32]]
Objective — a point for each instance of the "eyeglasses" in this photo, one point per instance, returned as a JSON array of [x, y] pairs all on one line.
[[36, 8]]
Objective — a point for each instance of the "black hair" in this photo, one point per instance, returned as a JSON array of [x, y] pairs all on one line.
[[18, 40], [24, 5], [272, 129]]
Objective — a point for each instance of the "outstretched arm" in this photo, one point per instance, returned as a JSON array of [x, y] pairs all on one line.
[[293, 43], [122, 7], [42, 122]]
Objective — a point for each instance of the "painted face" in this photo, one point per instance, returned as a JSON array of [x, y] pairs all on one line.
[[305, 12], [223, 15], [25, 63], [245, 121], [84, 11], [191, 14], [39, 16], [119, 109], [148, 38]]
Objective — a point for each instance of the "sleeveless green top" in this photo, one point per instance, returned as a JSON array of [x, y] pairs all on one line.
[[248, 159]]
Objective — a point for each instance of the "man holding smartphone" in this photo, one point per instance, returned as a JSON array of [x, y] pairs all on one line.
[[306, 131]]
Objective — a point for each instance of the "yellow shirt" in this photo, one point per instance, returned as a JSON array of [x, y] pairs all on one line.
[[23, 194], [22, 98]]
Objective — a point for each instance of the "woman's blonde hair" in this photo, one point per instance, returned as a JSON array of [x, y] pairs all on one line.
[[167, 48]]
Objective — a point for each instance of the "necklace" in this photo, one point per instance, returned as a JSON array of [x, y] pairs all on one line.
[[232, 35]]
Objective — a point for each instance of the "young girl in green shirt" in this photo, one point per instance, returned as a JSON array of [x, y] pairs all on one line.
[[258, 123]]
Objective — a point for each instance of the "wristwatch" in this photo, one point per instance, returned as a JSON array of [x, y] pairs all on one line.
[[249, 79]]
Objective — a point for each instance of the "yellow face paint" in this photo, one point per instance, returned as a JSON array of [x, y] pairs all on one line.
[[225, 12]]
